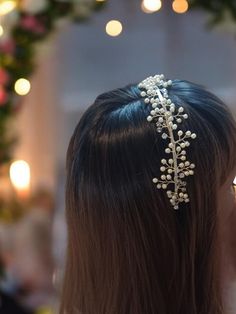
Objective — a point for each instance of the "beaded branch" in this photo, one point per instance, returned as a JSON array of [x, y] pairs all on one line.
[[166, 116]]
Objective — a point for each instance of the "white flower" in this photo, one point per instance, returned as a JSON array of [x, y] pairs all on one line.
[[33, 6]]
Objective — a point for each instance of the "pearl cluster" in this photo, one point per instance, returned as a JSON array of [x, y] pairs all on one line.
[[167, 117]]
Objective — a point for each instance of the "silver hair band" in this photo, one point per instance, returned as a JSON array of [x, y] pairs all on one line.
[[167, 117]]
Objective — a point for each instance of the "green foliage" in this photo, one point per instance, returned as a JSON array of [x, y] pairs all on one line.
[[217, 9], [17, 56]]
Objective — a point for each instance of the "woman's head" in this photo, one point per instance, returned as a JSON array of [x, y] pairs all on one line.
[[129, 251]]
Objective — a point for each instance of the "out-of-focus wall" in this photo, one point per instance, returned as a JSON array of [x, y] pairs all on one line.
[[39, 122]]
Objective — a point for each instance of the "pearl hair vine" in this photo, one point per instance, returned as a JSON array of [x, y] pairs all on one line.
[[166, 116]]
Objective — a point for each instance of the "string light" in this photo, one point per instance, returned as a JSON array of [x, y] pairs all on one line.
[[150, 6], [144, 9], [20, 174], [114, 28], [180, 6], [1, 30], [7, 6], [22, 87]]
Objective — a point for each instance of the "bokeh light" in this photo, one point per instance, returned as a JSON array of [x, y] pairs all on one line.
[[1, 30], [180, 6], [22, 87], [150, 6], [7, 6], [20, 174], [114, 28]]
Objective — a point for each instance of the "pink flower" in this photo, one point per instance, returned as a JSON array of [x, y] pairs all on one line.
[[28, 22], [4, 76], [31, 23], [3, 96], [8, 46]]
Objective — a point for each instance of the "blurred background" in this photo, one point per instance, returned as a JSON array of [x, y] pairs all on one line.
[[56, 56]]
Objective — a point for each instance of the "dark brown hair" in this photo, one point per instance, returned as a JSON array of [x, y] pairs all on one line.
[[129, 252]]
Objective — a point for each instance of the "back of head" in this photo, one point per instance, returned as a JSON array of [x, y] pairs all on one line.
[[129, 251]]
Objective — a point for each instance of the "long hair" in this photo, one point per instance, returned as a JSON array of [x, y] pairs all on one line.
[[129, 251]]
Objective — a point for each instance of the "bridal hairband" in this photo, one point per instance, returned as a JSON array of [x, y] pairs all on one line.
[[167, 118]]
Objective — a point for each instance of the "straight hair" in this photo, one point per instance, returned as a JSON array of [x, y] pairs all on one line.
[[128, 250]]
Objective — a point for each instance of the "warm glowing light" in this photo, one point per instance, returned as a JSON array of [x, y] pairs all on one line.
[[6, 6], [234, 181], [150, 6], [180, 6], [22, 87], [20, 174], [100, 0], [1, 30], [144, 9], [114, 28]]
